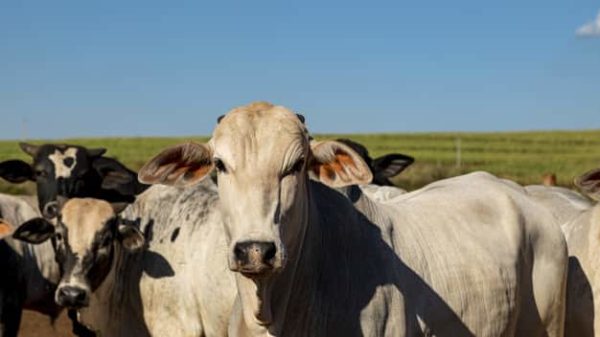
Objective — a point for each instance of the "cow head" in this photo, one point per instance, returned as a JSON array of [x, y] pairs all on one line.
[[86, 237], [589, 183], [263, 157], [384, 167], [71, 171]]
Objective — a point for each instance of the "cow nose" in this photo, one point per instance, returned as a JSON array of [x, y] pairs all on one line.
[[50, 210], [255, 252], [72, 297]]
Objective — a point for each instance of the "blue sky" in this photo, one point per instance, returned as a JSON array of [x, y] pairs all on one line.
[[133, 68]]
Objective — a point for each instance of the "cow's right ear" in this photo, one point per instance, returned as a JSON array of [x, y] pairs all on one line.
[[589, 183], [34, 231], [16, 171], [180, 165], [6, 229]]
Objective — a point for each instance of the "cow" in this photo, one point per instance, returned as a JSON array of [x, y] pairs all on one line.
[[583, 239], [177, 285], [29, 273], [72, 171], [468, 256]]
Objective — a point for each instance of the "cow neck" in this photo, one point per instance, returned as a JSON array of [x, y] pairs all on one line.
[[259, 297], [115, 298]]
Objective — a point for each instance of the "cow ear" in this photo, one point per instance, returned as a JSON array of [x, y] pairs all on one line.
[[391, 164], [30, 149], [16, 171], [180, 165], [589, 183], [6, 229], [116, 176], [34, 231], [131, 237], [337, 165], [95, 153]]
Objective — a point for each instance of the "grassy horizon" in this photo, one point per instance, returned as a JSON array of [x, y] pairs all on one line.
[[522, 156]]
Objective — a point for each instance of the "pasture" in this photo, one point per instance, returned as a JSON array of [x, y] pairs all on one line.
[[520, 156]]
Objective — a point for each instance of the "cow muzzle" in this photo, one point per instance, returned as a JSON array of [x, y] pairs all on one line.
[[72, 297], [255, 258]]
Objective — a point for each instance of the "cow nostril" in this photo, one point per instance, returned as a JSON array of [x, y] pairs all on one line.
[[239, 252], [270, 251]]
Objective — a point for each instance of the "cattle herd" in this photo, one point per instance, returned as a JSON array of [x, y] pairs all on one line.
[[264, 231]]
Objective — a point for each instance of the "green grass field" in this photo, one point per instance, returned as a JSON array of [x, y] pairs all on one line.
[[520, 156]]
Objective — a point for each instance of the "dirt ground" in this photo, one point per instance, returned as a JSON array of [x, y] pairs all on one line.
[[36, 325]]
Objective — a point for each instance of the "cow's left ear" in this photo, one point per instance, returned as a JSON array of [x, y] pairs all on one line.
[[337, 165], [131, 237], [589, 183], [34, 231], [16, 171], [181, 165], [391, 164], [6, 229]]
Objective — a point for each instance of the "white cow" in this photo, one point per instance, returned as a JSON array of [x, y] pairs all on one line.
[[178, 285], [467, 256], [583, 239]]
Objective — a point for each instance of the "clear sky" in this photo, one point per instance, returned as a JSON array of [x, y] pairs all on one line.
[[164, 68]]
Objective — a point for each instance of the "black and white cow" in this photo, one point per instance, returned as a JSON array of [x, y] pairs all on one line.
[[58, 170], [72, 171]]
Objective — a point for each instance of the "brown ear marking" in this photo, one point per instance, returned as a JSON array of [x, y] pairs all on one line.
[[6, 228]]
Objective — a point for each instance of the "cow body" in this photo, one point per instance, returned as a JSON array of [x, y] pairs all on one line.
[[29, 271], [186, 288], [469, 272]]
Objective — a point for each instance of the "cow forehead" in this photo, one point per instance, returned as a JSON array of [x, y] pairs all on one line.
[[258, 128], [83, 218], [64, 161]]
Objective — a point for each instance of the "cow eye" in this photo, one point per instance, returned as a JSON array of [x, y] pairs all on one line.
[[296, 168], [220, 166], [41, 173]]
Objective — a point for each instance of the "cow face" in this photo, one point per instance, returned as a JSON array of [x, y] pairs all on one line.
[[71, 171], [263, 156], [86, 238]]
